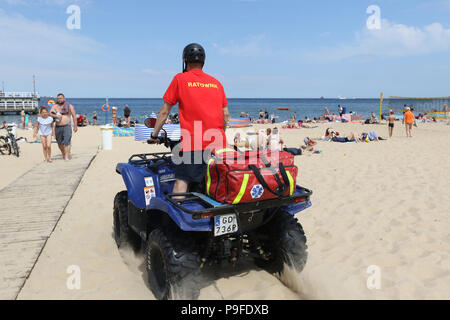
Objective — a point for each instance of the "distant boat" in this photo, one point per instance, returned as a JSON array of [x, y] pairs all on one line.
[[342, 98], [322, 97], [284, 109]]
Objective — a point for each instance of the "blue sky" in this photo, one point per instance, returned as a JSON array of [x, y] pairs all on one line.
[[256, 48]]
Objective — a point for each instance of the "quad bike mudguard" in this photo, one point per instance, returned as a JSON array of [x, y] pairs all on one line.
[[134, 177]]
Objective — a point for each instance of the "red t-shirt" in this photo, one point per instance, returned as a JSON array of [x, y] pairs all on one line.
[[201, 99]]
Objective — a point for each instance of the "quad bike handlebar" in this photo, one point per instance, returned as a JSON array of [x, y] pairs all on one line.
[[164, 139]]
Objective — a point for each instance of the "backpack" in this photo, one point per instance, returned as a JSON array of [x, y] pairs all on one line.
[[233, 177]]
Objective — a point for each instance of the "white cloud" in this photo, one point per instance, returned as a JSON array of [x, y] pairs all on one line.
[[28, 41], [392, 40]]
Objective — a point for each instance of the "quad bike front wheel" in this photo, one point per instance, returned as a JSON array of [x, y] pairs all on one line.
[[123, 234], [285, 243], [172, 264]]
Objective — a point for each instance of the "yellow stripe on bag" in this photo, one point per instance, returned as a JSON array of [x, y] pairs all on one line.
[[243, 188], [291, 182], [224, 150], [208, 181]]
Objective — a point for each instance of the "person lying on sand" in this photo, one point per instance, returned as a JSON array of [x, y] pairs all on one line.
[[336, 137], [306, 126], [310, 142]]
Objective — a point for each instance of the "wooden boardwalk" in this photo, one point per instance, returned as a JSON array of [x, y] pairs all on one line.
[[30, 208]]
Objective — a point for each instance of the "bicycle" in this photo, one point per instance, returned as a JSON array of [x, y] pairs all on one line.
[[8, 143]]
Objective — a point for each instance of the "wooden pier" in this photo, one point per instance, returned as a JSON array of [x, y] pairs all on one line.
[[30, 209], [15, 102]]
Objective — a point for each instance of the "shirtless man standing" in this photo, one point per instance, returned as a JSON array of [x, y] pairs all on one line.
[[61, 112]]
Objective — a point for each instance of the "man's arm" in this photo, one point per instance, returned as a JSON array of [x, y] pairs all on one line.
[[226, 117], [74, 117], [53, 115], [36, 128], [162, 117]]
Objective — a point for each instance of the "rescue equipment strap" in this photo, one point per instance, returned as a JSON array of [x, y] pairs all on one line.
[[242, 190], [208, 181]]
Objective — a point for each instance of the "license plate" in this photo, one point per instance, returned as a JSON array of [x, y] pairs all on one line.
[[225, 225]]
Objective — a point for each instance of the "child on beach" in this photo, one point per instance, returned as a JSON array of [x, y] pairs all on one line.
[[45, 128], [391, 121]]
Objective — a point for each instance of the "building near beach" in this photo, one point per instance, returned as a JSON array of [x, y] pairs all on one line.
[[15, 102]]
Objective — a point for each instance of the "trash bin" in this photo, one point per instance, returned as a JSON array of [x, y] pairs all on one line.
[[107, 135]]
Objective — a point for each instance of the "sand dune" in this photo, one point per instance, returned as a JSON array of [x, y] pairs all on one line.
[[381, 203]]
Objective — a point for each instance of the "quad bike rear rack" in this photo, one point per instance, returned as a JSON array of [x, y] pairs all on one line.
[[213, 208], [146, 158]]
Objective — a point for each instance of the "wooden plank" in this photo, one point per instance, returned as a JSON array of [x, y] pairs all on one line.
[[27, 221]]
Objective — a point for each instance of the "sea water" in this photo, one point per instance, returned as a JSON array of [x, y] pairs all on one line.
[[140, 108]]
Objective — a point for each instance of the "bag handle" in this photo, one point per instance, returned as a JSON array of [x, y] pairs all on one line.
[[281, 187], [282, 171]]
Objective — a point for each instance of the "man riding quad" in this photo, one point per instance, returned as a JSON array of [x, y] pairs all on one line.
[[217, 209], [203, 112]]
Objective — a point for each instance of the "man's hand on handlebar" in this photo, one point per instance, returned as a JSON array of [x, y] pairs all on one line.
[[153, 140]]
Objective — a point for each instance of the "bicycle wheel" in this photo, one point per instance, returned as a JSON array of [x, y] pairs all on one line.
[[5, 148], [15, 146]]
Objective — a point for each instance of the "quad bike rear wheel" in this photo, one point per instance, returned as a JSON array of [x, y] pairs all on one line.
[[284, 242], [172, 265], [123, 234]]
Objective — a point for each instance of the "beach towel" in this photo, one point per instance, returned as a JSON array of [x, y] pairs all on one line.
[[346, 117], [65, 109], [123, 132]]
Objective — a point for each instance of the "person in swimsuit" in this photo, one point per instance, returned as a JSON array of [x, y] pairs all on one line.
[[27, 119], [391, 121], [126, 114], [62, 112], [95, 118], [45, 128], [114, 116], [22, 119]]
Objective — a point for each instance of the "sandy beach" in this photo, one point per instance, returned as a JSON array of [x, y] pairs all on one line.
[[383, 204]]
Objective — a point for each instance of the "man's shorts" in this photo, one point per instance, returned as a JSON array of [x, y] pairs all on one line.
[[193, 169], [63, 135]]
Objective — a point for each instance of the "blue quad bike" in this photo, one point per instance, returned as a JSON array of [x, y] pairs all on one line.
[[181, 236]]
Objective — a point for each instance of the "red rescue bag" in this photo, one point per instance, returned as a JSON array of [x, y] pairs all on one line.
[[233, 177]]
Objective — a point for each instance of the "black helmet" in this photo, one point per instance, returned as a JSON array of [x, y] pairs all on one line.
[[193, 53]]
